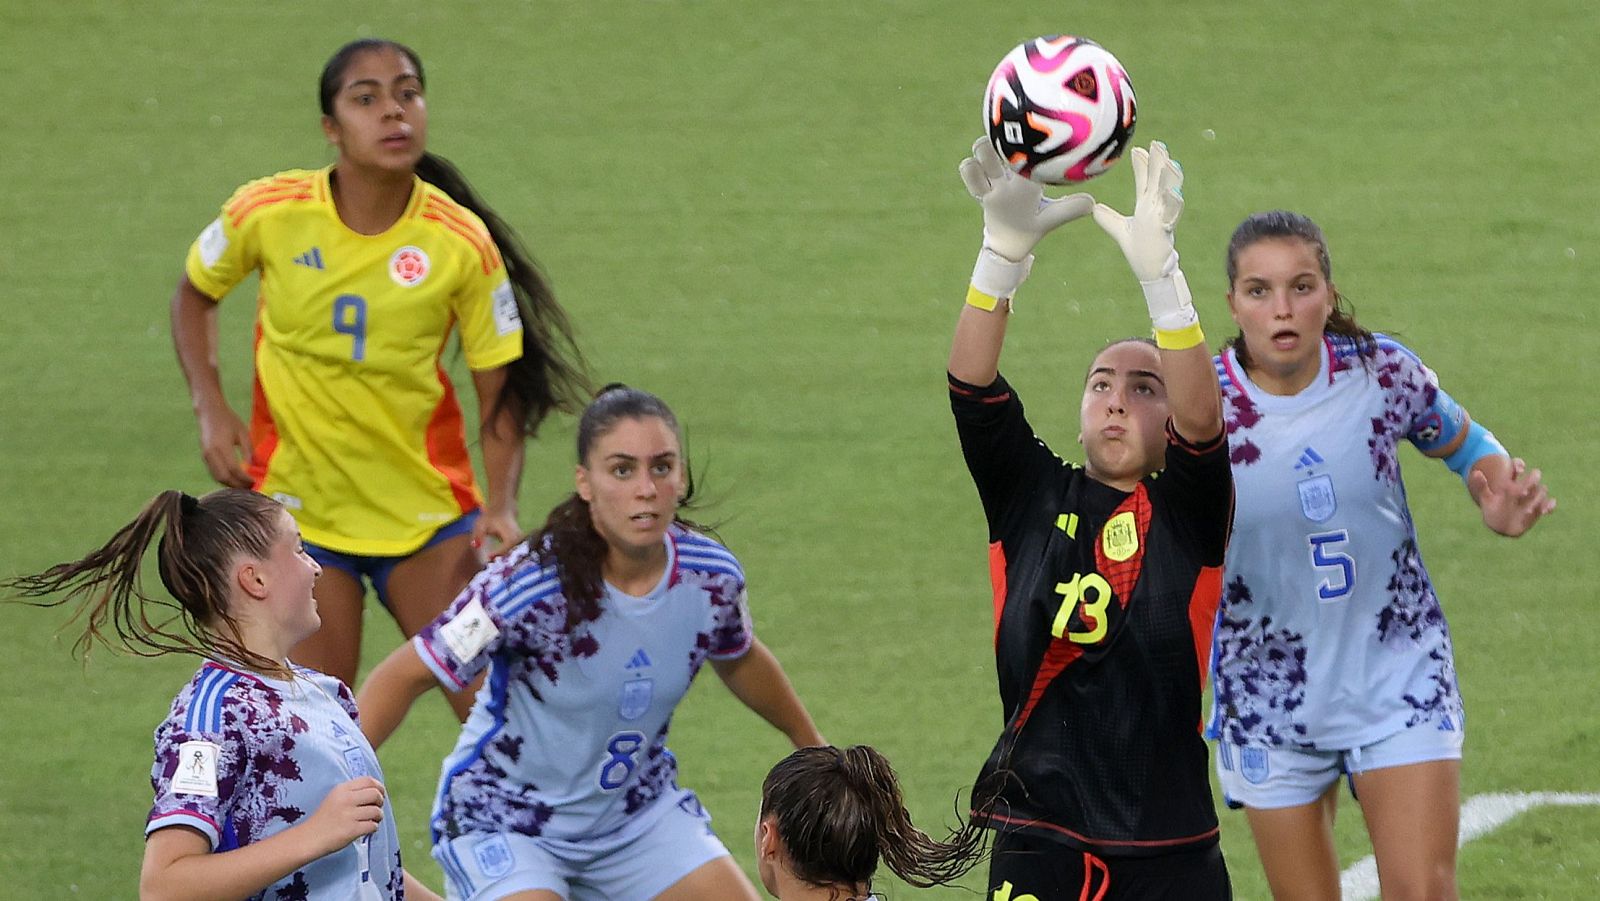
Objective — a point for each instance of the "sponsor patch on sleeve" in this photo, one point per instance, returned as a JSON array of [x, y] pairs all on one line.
[[506, 317], [213, 243], [197, 769], [469, 631]]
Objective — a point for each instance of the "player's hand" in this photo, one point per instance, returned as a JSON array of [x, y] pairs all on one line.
[[1016, 214], [1514, 500], [224, 441], [1146, 236], [351, 810], [496, 526]]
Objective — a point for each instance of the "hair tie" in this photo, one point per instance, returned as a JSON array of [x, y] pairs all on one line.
[[188, 503]]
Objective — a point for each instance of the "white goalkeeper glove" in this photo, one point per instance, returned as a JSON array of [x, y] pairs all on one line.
[[1016, 215], [1146, 241]]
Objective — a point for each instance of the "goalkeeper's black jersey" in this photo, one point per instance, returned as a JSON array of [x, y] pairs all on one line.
[[1104, 604]]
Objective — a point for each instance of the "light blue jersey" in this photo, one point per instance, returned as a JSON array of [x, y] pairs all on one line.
[[1330, 635], [567, 739], [242, 757]]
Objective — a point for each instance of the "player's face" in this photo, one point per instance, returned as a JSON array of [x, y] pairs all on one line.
[[290, 574], [380, 119], [1124, 415], [633, 479], [1281, 302]]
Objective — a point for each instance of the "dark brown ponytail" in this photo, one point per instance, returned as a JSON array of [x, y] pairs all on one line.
[[839, 811], [199, 540]]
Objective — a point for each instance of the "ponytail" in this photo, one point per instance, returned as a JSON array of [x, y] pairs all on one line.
[[199, 539], [549, 376], [838, 812]]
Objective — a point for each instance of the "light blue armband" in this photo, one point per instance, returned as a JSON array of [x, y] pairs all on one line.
[[1480, 443]]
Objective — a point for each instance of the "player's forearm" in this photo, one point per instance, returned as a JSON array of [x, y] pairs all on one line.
[[389, 691], [1193, 393], [194, 337], [239, 873], [503, 454], [500, 435], [759, 682], [975, 352]]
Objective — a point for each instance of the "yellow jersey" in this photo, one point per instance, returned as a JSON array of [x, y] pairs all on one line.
[[354, 424]]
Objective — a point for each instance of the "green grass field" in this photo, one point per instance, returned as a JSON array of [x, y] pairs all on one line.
[[753, 210]]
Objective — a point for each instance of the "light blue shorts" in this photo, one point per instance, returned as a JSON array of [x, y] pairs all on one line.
[[642, 865], [1271, 778]]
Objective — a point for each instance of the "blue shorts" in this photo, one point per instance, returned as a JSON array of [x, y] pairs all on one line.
[[1271, 778], [640, 865], [377, 569]]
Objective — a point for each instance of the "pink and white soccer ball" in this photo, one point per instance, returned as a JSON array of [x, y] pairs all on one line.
[[1059, 109]]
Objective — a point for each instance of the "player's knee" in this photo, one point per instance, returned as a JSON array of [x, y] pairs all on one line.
[[1431, 882]]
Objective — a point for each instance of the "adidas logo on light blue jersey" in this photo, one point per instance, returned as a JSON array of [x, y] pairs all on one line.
[[640, 660], [311, 258], [1308, 459]]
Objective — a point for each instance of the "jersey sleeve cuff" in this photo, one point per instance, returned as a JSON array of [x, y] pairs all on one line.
[[997, 391], [430, 659], [1196, 447], [194, 820]]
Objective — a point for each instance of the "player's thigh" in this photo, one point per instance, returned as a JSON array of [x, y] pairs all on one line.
[[421, 586], [1413, 814], [335, 648], [715, 880], [676, 858], [1296, 848]]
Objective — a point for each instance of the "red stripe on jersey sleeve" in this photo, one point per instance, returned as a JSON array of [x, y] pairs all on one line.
[[263, 430], [267, 195], [450, 217], [997, 581], [447, 446], [1203, 603]]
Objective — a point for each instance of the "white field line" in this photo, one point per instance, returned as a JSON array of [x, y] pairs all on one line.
[[1481, 815]]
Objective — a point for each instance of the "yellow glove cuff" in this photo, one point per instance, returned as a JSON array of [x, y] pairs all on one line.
[[982, 301], [1178, 339]]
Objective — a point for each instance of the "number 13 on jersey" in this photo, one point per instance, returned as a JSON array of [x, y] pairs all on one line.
[[1094, 593]]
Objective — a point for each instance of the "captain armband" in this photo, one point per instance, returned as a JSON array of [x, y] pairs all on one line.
[[1480, 443]]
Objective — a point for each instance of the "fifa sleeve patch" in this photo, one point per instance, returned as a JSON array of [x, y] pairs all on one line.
[[197, 769], [1439, 424], [213, 243], [469, 631], [506, 318]]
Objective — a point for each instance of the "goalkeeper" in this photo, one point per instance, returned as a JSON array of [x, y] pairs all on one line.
[[1106, 574]]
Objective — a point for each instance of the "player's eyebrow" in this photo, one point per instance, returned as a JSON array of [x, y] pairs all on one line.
[[375, 83], [1132, 373]]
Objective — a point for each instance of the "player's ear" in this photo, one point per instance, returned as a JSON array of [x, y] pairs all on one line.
[[766, 839], [251, 579], [330, 129]]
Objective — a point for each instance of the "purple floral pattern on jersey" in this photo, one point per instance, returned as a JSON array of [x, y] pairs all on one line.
[[656, 774], [1240, 416], [729, 632], [254, 763], [1263, 670], [1409, 391], [1414, 618]]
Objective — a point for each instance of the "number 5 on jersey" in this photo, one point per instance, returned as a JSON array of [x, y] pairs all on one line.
[[1094, 593]]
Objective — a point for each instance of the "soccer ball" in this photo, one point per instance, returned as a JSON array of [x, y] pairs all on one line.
[[1059, 109]]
